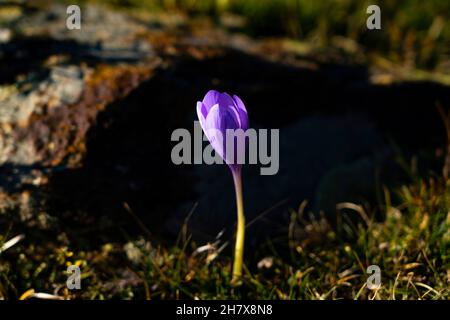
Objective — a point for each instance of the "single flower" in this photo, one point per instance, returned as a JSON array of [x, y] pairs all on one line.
[[217, 113]]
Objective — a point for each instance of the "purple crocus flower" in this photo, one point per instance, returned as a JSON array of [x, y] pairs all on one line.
[[219, 112]]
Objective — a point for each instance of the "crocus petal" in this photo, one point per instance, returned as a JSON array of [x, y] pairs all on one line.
[[219, 119], [243, 116], [211, 98], [225, 100], [236, 116], [239, 103], [213, 130], [201, 113], [243, 119]]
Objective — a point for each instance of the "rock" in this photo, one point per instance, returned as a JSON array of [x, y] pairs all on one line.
[[104, 34], [63, 86], [49, 110], [55, 81]]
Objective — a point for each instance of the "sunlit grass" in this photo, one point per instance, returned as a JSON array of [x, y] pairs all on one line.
[[314, 260]]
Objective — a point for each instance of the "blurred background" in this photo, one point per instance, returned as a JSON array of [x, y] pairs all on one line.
[[86, 118]]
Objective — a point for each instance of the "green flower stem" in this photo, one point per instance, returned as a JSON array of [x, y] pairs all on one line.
[[240, 233]]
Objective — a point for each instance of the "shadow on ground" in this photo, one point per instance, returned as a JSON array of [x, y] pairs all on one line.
[[335, 130]]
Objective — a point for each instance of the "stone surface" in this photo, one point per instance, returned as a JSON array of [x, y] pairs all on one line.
[[55, 81], [63, 86], [105, 35]]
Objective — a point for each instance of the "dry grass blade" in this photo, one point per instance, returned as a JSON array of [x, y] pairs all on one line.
[[29, 294], [136, 218], [11, 242], [430, 289], [354, 207]]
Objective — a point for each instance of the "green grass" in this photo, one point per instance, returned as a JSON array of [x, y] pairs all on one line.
[[312, 261]]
